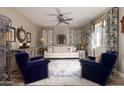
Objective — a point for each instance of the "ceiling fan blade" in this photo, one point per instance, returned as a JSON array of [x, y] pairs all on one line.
[[58, 11], [53, 14], [67, 13], [58, 23], [68, 19], [65, 22]]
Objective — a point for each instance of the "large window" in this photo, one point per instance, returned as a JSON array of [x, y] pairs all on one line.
[[99, 34]]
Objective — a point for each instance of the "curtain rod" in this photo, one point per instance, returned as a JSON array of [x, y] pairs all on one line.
[[99, 15]]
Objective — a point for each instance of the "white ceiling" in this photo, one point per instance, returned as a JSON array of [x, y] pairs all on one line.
[[80, 15]]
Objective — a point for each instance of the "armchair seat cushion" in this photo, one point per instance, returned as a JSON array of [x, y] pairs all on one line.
[[91, 63]]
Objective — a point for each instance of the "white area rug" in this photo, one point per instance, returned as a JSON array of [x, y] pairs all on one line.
[[64, 73], [64, 68]]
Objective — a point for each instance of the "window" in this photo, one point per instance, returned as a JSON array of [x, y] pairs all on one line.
[[99, 34], [103, 34]]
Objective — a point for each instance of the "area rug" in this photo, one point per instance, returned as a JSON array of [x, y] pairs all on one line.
[[64, 72], [64, 68]]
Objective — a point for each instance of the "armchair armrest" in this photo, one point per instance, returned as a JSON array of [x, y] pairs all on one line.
[[37, 62], [94, 66], [92, 58], [47, 60], [36, 58], [88, 61], [92, 63], [33, 66]]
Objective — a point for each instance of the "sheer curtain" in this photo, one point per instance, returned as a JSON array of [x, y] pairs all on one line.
[[99, 40], [98, 35]]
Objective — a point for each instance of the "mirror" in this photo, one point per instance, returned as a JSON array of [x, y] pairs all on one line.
[[21, 35], [61, 39]]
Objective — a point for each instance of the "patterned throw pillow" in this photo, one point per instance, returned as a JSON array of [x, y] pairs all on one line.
[[98, 59]]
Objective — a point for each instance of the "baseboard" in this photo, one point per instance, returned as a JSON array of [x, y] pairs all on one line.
[[121, 74]]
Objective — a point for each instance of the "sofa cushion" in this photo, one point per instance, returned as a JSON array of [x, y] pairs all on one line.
[[98, 59], [57, 49], [50, 49], [61, 49]]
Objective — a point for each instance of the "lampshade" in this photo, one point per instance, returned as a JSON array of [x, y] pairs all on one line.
[[42, 39]]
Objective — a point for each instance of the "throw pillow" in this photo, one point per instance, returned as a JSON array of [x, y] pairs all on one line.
[[50, 50], [98, 59]]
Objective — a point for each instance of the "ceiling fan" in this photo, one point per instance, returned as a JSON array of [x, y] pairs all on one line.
[[61, 18]]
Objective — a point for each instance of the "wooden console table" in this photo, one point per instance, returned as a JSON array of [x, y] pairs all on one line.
[[31, 51]]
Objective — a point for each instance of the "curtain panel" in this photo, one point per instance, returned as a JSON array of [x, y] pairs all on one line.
[[75, 36], [89, 38], [47, 34], [111, 31], [111, 18]]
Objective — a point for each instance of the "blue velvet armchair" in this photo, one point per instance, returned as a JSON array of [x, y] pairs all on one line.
[[32, 69], [99, 72]]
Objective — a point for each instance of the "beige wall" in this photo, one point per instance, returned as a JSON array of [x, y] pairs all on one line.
[[19, 20], [121, 43]]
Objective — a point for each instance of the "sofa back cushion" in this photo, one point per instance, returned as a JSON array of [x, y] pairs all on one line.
[[57, 49], [108, 60], [22, 59], [63, 49]]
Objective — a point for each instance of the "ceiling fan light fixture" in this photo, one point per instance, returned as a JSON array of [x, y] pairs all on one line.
[[61, 17]]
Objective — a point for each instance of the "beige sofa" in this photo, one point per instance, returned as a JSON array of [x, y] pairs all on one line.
[[61, 52]]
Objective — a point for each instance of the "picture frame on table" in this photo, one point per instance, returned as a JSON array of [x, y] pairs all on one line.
[[28, 37]]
